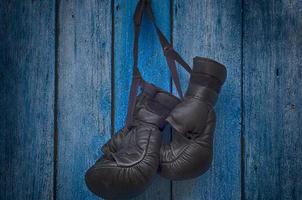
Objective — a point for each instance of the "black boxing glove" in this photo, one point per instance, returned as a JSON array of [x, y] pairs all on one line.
[[193, 121], [131, 158]]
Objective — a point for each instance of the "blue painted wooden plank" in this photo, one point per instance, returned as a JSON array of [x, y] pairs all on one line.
[[26, 99], [272, 99], [213, 29], [84, 104], [151, 63]]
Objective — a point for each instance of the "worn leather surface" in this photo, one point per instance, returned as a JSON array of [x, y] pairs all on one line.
[[193, 121], [131, 157]]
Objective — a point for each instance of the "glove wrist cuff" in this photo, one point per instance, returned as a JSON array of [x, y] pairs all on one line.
[[210, 67], [202, 93]]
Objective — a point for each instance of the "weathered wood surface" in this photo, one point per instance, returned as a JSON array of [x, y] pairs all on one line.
[[26, 99], [151, 62], [260, 42], [272, 99], [84, 92], [213, 29]]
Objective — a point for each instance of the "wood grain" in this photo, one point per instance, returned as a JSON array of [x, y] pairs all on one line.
[[272, 99], [151, 63], [84, 92], [260, 43], [26, 99], [213, 29]]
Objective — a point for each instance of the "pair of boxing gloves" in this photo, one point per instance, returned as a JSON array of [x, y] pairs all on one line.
[[133, 156]]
